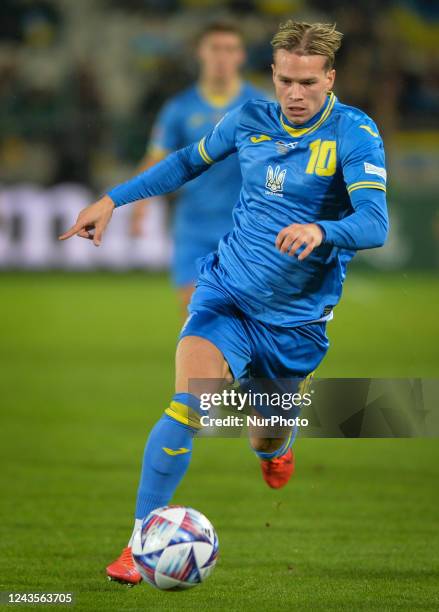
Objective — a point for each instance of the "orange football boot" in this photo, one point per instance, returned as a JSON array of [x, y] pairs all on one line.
[[123, 569], [278, 471]]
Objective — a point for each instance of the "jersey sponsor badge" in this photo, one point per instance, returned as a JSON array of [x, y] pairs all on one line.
[[371, 169], [285, 147]]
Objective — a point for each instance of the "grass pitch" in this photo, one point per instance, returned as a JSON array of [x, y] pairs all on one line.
[[86, 368]]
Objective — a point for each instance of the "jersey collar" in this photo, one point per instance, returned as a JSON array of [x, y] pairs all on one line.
[[314, 123], [219, 101]]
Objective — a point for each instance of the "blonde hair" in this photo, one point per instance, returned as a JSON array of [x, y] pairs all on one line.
[[308, 39]]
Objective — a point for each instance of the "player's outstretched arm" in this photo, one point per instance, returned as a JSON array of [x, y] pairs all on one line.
[[166, 176], [140, 208], [92, 221], [183, 165]]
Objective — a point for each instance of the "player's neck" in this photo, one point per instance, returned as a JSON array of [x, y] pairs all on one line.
[[219, 93]]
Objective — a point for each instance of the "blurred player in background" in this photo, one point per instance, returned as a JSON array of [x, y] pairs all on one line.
[[314, 185], [203, 212]]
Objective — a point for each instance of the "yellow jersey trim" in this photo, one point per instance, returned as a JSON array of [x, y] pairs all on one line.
[[298, 132], [370, 130], [366, 185], [202, 151], [183, 414]]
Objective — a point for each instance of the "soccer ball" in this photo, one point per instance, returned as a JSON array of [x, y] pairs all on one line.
[[176, 548]]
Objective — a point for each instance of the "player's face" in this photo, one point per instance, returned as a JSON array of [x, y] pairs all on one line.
[[301, 83], [221, 55]]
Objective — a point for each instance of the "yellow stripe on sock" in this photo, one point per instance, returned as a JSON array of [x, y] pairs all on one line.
[[305, 384], [184, 414]]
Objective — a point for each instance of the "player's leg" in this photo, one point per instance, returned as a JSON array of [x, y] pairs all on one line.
[[203, 355], [278, 466], [168, 449], [287, 358], [272, 444], [169, 446]]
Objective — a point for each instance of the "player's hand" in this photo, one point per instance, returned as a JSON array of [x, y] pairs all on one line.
[[291, 238], [92, 221]]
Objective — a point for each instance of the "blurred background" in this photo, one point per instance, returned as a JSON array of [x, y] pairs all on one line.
[[81, 84]]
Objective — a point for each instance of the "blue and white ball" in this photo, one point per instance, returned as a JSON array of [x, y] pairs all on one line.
[[176, 548]]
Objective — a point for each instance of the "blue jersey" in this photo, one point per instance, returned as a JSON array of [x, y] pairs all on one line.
[[330, 171], [204, 205]]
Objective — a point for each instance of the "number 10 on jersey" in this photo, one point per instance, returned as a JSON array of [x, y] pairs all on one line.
[[323, 158]]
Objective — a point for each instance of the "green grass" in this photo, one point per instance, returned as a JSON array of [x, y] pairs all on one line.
[[86, 366]]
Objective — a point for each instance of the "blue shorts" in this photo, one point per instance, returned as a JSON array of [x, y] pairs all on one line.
[[251, 348]]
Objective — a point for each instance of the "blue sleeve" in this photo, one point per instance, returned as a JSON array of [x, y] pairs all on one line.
[[181, 166], [166, 133], [221, 141], [363, 163]]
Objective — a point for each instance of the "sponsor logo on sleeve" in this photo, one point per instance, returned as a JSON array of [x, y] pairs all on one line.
[[371, 169]]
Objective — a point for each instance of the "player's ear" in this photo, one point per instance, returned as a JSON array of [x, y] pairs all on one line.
[[273, 68], [331, 78]]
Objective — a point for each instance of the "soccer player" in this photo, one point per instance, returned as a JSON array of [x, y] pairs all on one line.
[[313, 193], [204, 206]]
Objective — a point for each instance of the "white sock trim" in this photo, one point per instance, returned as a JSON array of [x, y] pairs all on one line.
[[137, 526]]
